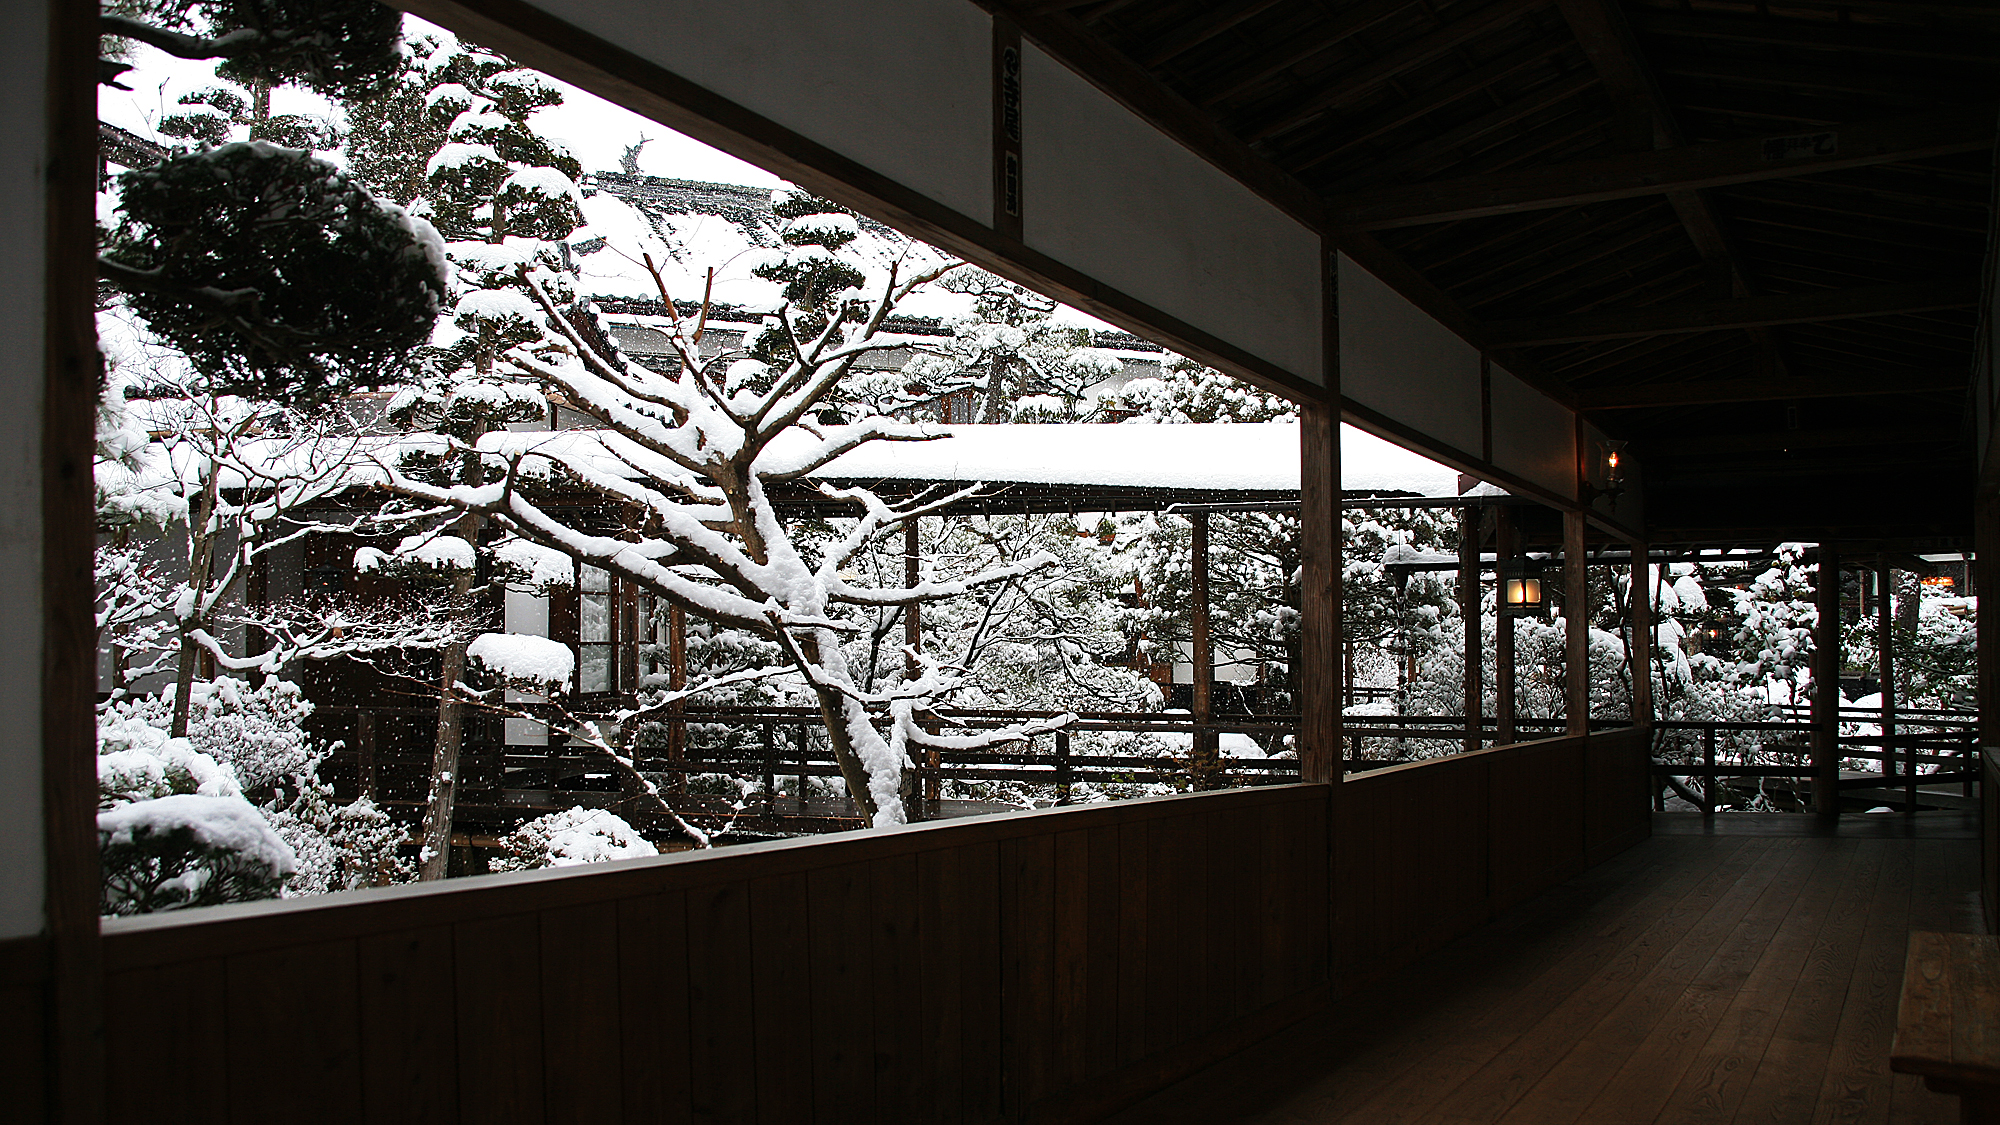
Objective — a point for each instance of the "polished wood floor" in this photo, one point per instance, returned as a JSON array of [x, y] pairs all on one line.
[[1717, 973]]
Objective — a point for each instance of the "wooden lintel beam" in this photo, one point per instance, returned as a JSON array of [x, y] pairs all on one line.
[[1716, 164], [1825, 36], [1865, 442], [1744, 312], [1708, 392]]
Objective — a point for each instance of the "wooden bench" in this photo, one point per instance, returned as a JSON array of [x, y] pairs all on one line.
[[1948, 1027]]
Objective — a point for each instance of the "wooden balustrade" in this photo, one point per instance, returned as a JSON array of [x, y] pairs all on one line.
[[1042, 966]]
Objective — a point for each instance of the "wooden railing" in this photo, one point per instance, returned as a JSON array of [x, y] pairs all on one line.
[[1942, 753], [1043, 966]]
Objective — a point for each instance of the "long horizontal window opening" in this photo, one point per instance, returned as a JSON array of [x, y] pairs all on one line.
[[668, 505], [681, 507]]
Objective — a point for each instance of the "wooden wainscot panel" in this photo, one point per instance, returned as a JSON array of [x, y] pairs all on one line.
[[1048, 966], [1536, 818], [165, 1023], [653, 980], [24, 1021], [294, 1026], [409, 1051], [1616, 811]]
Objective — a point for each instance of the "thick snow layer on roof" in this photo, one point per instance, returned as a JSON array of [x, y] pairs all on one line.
[[1252, 458]]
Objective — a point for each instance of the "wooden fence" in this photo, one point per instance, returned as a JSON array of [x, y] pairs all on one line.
[[1042, 966]]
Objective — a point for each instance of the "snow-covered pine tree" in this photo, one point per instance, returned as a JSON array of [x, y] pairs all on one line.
[[504, 197], [271, 270]]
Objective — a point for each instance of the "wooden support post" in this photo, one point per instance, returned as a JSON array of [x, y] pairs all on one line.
[[677, 674], [1576, 628], [1708, 760], [1986, 577], [770, 769], [1503, 639], [1639, 617], [1063, 776], [1885, 661], [1204, 761], [1319, 680], [799, 739], [1469, 589], [1826, 685], [364, 751]]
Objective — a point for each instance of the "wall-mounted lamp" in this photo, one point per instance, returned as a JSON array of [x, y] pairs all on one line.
[[1521, 589], [1612, 467]]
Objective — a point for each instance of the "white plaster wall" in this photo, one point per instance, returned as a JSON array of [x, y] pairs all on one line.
[[1107, 194], [23, 90], [1533, 435], [1397, 359], [902, 86]]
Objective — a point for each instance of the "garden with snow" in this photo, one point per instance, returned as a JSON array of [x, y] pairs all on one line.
[[424, 344]]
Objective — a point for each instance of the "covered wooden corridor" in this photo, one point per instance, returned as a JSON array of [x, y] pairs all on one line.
[[1702, 976]]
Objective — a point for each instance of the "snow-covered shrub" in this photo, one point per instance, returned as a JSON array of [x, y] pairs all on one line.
[[251, 744], [186, 850], [569, 839]]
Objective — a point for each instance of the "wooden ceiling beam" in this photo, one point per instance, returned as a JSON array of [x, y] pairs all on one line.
[[1743, 312], [1862, 441], [1347, 24], [1630, 176], [1193, 35], [1710, 392], [1821, 37], [1472, 82], [1377, 170], [1417, 52]]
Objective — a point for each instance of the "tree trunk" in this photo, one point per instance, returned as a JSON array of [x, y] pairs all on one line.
[[201, 568], [436, 855], [833, 711]]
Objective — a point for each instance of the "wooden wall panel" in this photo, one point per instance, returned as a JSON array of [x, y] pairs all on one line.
[[1046, 966], [1425, 852], [299, 1004], [780, 977], [499, 1029], [722, 1075], [582, 1067], [842, 1012], [171, 1025], [652, 980]]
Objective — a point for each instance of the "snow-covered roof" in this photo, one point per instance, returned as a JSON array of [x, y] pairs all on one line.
[[1218, 457]]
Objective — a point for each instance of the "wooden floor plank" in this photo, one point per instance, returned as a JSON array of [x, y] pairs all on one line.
[[1856, 1089], [1714, 1086], [1371, 1040], [1738, 976], [1633, 1079], [1526, 1043]]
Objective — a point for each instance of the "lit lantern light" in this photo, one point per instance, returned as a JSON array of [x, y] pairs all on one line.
[[1612, 469], [1939, 581], [1521, 589]]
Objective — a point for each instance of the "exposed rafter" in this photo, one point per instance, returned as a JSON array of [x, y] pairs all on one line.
[[1716, 164], [1416, 53], [1702, 392], [1829, 37], [1745, 312]]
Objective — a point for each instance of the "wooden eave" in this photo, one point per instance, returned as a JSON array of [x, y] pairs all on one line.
[[1581, 187]]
